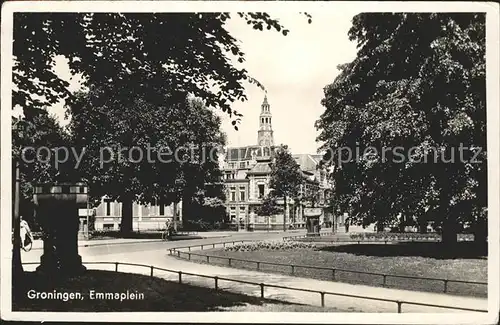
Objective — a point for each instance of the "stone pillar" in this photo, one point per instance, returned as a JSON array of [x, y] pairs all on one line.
[[57, 210]]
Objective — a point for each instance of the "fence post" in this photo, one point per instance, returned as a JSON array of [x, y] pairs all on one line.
[[262, 290], [229, 261], [445, 285], [180, 277], [384, 283], [178, 253], [399, 306], [201, 247], [116, 266], [213, 246], [333, 274], [216, 282], [152, 268], [208, 259], [322, 299], [258, 266], [293, 269], [189, 256]]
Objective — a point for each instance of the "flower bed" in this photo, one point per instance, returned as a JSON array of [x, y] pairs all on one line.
[[270, 245]]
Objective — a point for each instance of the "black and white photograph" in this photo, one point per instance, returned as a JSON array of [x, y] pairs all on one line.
[[250, 162]]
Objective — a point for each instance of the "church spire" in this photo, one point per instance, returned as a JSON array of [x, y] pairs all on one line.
[[265, 133]]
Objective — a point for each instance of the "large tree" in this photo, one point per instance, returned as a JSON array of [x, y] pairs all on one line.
[[286, 177], [168, 151], [32, 164], [414, 94]]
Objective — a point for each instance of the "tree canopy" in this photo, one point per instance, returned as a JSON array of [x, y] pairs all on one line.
[[132, 53], [412, 96], [138, 151]]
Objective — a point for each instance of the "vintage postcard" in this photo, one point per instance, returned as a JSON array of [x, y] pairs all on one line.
[[250, 162]]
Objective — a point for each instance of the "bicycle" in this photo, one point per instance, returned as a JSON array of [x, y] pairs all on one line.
[[165, 236]]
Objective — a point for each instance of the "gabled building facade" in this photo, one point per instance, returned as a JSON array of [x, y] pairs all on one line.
[[247, 173]]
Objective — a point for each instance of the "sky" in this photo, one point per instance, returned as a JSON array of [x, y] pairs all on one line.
[[294, 69]]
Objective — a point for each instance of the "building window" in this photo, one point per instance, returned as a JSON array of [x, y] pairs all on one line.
[[233, 193], [273, 219], [242, 209], [232, 212], [242, 164], [242, 194], [162, 209], [261, 191], [108, 206], [108, 226]]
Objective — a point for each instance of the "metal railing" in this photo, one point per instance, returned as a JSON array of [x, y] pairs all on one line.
[[262, 287], [293, 267], [212, 245]]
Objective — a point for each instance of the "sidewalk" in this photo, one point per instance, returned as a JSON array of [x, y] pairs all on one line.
[[38, 243]]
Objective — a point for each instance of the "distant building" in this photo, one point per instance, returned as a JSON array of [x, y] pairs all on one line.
[[108, 215], [247, 172]]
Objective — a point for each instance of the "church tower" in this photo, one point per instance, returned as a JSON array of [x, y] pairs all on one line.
[[265, 133]]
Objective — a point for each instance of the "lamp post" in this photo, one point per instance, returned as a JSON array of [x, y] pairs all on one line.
[[17, 266]]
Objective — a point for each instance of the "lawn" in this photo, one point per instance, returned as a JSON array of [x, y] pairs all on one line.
[[159, 295], [410, 259]]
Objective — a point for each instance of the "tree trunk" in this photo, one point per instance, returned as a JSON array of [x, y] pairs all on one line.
[[449, 231], [284, 213], [481, 232], [380, 226], [127, 215], [422, 227]]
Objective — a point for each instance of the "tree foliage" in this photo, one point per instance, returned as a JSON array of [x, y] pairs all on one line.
[[132, 53], [286, 177], [139, 151], [31, 141], [415, 90], [269, 206]]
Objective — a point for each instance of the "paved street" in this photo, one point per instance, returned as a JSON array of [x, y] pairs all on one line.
[[156, 253], [116, 247]]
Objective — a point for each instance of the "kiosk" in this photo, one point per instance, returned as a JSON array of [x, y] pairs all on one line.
[[312, 221]]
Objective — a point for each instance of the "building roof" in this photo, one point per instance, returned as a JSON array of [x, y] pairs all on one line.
[[248, 153], [262, 167], [306, 162]]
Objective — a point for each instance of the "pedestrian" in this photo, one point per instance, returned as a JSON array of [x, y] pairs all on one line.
[[347, 221], [25, 232]]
